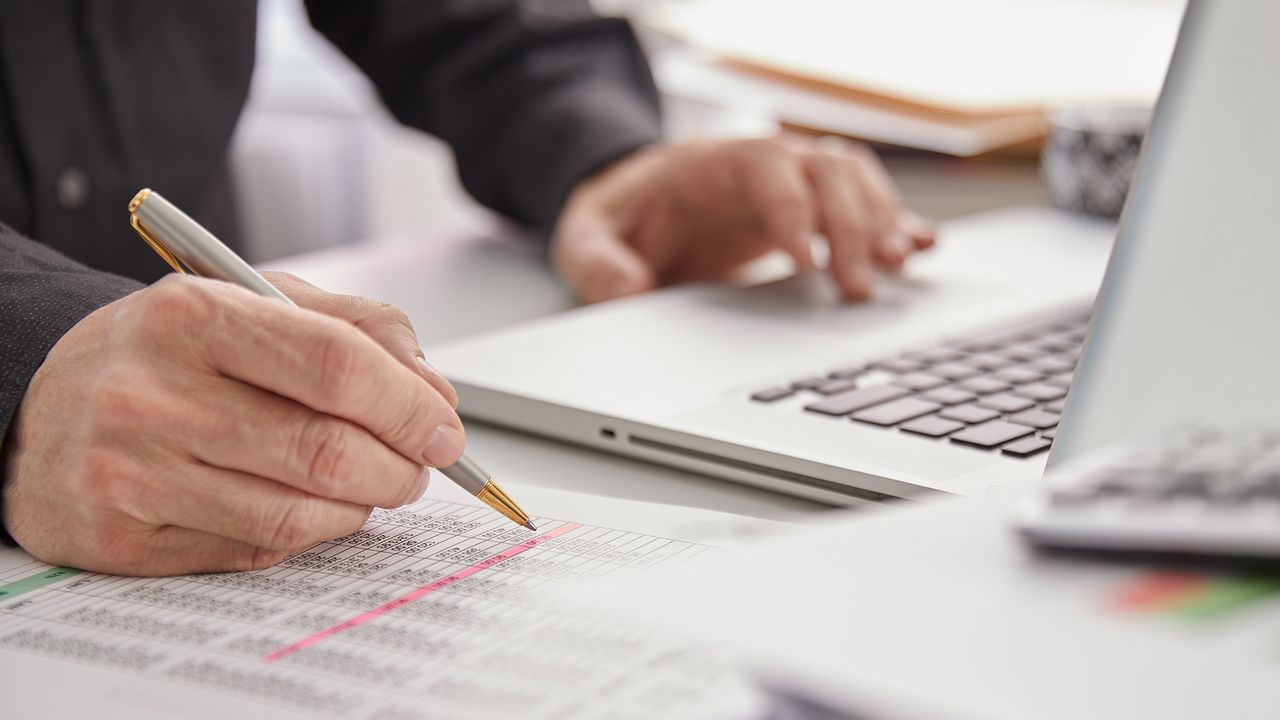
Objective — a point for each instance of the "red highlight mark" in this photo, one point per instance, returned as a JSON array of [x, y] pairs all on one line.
[[1157, 590], [418, 594]]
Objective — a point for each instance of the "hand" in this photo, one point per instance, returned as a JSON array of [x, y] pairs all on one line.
[[194, 426], [669, 214]]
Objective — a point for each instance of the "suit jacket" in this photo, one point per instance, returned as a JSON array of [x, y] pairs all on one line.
[[100, 99]]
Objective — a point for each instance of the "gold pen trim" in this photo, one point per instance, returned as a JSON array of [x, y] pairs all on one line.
[[159, 247], [495, 497]]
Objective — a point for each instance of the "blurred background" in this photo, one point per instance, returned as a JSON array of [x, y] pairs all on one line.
[[963, 100]]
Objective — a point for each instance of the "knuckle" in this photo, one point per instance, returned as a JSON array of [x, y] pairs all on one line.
[[175, 302], [108, 478], [325, 451], [765, 147], [826, 162], [789, 209], [286, 524], [337, 358], [858, 151], [119, 400], [388, 314]]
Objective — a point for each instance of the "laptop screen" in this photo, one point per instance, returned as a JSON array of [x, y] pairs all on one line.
[[1186, 329]]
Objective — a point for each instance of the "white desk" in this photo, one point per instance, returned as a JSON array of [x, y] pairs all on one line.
[[468, 282]]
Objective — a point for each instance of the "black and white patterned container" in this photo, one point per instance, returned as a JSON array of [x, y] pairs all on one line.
[[1088, 161]]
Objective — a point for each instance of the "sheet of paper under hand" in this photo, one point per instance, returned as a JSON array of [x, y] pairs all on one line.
[[433, 611]]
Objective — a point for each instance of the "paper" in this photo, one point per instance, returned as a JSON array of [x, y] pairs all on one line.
[[434, 611], [983, 56], [693, 75]]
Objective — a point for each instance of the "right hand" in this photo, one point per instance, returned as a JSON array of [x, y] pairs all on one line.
[[193, 426]]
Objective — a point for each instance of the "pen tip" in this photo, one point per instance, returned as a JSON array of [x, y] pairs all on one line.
[[529, 524]]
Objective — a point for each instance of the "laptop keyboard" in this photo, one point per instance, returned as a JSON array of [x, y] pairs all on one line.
[[996, 391]]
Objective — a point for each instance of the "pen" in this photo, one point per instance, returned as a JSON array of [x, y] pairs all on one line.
[[189, 248]]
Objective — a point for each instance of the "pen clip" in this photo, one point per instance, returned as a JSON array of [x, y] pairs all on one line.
[[161, 249]]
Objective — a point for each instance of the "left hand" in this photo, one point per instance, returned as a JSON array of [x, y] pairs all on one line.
[[700, 210]]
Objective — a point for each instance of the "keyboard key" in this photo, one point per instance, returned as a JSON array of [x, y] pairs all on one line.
[[1040, 392], [1057, 343], [1038, 419], [898, 365], [892, 413], [986, 361], [1056, 406], [847, 372], [932, 426], [809, 383], [833, 387], [1005, 403], [1026, 447], [855, 400], [773, 394], [919, 382], [974, 345], [991, 434], [1052, 365], [1062, 380], [983, 385], [933, 356], [1022, 352], [949, 396], [953, 371], [1051, 433], [969, 414], [1018, 375]]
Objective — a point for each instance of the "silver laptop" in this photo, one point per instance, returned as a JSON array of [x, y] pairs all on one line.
[[956, 377]]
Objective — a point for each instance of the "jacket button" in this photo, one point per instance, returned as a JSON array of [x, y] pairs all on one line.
[[71, 189]]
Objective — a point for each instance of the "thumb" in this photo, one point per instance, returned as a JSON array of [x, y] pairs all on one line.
[[599, 264]]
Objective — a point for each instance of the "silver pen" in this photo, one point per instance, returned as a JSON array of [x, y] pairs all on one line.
[[189, 248]]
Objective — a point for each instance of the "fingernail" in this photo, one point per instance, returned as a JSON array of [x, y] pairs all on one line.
[[423, 482], [445, 447]]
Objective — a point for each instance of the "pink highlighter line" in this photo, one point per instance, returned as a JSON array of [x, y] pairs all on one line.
[[418, 594]]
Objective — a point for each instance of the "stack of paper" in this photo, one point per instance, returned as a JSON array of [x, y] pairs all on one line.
[[960, 78]]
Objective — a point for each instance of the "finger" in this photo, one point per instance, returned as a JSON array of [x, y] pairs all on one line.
[[889, 245], [923, 233], [245, 429], [598, 263], [388, 325], [321, 362], [777, 186], [247, 509], [842, 216]]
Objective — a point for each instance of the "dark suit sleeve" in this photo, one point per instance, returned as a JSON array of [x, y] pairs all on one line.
[[533, 95], [42, 295]]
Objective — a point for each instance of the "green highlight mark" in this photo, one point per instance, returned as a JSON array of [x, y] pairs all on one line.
[[35, 582], [1221, 598]]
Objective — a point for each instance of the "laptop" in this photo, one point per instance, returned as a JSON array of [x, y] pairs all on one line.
[[965, 371]]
